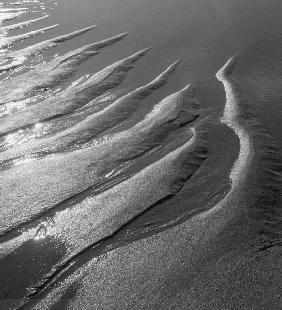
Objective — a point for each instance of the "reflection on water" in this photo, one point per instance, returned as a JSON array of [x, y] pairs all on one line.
[[105, 142], [23, 136]]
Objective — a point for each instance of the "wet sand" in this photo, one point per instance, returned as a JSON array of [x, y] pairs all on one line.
[[133, 180]]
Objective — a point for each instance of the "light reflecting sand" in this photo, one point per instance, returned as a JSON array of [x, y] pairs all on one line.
[[138, 171]]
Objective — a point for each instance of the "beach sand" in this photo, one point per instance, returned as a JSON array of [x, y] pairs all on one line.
[[140, 154]]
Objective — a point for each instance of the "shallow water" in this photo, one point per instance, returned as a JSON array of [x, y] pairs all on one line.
[[131, 180]]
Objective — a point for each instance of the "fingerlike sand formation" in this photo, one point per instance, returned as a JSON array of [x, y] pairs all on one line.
[[257, 170], [72, 191], [19, 57], [221, 241]]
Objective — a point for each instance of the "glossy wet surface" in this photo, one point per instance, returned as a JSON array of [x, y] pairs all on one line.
[[130, 180]]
